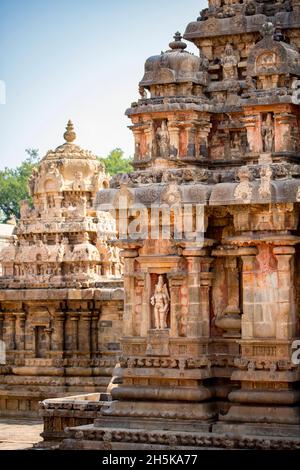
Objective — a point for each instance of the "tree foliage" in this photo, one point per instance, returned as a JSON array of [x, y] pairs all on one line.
[[13, 186], [116, 162]]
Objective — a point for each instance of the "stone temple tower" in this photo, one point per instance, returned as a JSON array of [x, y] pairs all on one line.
[[211, 318], [61, 292]]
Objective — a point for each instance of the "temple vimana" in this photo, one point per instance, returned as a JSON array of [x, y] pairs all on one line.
[[131, 339]]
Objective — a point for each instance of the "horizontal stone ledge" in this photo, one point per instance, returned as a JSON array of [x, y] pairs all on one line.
[[162, 393], [286, 415], [161, 373], [61, 294], [266, 376], [272, 397], [39, 371], [88, 372]]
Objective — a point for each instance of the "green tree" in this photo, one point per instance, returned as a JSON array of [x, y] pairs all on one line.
[[13, 186], [116, 163]]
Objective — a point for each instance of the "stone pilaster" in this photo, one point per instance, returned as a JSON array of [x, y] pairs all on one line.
[[248, 256], [94, 333], [85, 333], [20, 331], [137, 132], [284, 123], [10, 331], [286, 322], [199, 285], [253, 126], [174, 133], [179, 310], [2, 317], [58, 332], [74, 328], [129, 280]]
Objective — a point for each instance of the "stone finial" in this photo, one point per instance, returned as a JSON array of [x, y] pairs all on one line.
[[69, 135], [268, 29], [177, 43]]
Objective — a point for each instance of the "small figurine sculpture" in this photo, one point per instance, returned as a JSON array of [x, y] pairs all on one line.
[[161, 304], [268, 134], [229, 62], [163, 140]]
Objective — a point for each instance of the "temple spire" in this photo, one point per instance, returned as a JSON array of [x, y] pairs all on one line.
[[70, 135]]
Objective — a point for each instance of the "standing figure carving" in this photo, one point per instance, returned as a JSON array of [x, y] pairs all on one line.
[[268, 134], [161, 304], [229, 62], [163, 140]]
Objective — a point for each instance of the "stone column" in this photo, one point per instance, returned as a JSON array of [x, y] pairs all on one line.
[[206, 278], [20, 331], [174, 133], [85, 346], [149, 135], [137, 132], [129, 281], [203, 133], [191, 141], [199, 283], [1, 326], [10, 332], [232, 275], [253, 126], [146, 314], [179, 312], [283, 124], [193, 326], [286, 322], [58, 332], [48, 332], [94, 335], [75, 320], [248, 256]]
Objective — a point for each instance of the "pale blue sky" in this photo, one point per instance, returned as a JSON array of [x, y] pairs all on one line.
[[78, 59]]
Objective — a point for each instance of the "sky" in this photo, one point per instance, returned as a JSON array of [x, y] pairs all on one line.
[[79, 60]]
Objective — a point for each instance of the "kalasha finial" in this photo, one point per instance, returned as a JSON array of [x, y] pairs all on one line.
[[177, 43], [69, 135], [268, 29]]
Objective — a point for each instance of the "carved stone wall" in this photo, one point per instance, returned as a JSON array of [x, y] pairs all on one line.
[[210, 316], [61, 296]]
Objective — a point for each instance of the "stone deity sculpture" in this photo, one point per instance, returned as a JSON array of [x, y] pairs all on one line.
[[161, 304], [229, 63], [268, 134], [163, 140]]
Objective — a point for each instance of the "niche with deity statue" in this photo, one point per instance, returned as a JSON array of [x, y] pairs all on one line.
[[160, 302]]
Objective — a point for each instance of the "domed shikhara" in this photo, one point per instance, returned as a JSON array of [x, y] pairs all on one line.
[[58, 236], [67, 168], [174, 66]]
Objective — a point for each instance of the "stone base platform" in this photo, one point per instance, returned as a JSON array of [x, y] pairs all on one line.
[[59, 414], [84, 423], [92, 437], [264, 430]]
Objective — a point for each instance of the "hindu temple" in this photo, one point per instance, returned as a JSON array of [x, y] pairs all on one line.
[[211, 313], [61, 295]]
